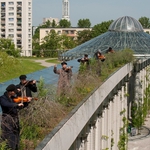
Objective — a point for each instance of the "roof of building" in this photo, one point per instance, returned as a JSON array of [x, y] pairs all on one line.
[[125, 32]]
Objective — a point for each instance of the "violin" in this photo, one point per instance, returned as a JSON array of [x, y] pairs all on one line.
[[68, 68], [22, 99], [28, 82]]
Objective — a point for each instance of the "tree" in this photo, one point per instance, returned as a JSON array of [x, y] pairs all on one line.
[[63, 23], [101, 28], [84, 23], [9, 47], [84, 36], [67, 42], [54, 24], [145, 22]]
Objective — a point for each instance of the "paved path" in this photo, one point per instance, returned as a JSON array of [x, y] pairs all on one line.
[[141, 142], [44, 63]]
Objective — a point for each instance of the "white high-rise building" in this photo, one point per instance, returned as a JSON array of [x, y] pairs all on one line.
[[65, 10], [16, 23]]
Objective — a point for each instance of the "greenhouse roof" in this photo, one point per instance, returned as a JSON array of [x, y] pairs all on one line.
[[125, 32]]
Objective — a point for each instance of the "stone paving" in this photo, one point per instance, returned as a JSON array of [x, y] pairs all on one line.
[[142, 141]]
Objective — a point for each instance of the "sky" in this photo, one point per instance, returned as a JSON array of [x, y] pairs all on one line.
[[96, 11]]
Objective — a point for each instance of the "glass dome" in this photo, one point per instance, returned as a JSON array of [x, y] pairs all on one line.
[[125, 32], [126, 24]]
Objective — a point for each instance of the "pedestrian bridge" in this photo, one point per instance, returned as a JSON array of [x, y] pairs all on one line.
[[96, 122]]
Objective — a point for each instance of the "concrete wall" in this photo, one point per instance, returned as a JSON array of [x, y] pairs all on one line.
[[64, 135]]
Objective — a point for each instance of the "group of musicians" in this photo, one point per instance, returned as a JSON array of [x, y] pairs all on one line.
[[15, 97], [22, 94]]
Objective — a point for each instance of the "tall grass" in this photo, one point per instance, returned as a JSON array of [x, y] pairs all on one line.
[[43, 115]]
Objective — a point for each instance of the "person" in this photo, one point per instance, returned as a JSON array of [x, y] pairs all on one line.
[[84, 62], [26, 87], [110, 50], [10, 120], [99, 56], [65, 74]]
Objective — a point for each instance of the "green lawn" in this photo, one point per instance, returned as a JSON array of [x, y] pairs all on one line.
[[13, 68]]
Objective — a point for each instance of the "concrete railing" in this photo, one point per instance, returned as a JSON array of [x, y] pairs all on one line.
[[96, 116]]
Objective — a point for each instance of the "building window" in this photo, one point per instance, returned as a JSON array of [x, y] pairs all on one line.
[[11, 8], [29, 24], [46, 31], [29, 14], [72, 32], [66, 32], [11, 3], [11, 19], [29, 3], [11, 14], [29, 46], [29, 30], [11, 30], [11, 35], [29, 19], [59, 32], [29, 35], [29, 8], [11, 24]]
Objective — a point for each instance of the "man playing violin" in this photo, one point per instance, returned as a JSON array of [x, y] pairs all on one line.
[[99, 57], [10, 120], [65, 74], [25, 87]]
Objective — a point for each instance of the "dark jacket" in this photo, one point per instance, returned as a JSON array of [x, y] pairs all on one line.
[[29, 89], [10, 121]]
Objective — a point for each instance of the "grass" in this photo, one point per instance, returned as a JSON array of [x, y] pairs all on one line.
[[53, 60], [13, 67]]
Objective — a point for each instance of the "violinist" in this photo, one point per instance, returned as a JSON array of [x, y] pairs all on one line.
[[65, 74], [10, 120], [26, 87], [110, 50], [99, 56]]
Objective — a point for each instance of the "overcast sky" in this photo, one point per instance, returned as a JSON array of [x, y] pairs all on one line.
[[95, 10]]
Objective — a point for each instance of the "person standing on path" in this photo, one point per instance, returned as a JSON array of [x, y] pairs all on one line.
[[65, 74]]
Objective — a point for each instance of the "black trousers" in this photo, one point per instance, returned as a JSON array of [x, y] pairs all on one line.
[[10, 131]]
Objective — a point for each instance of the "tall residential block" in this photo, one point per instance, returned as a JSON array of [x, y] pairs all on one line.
[[65, 10], [16, 23]]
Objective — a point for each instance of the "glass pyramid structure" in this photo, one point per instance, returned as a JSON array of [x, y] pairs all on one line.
[[125, 32]]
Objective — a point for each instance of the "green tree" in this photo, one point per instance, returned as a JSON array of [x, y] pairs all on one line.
[[63, 23], [67, 42], [84, 36], [84, 23], [9, 47], [145, 22], [50, 44], [101, 28], [54, 24]]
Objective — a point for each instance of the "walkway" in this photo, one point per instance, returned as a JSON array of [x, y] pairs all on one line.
[[44, 63], [141, 142]]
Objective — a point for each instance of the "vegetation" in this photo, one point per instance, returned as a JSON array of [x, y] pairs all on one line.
[[43, 115], [11, 67], [145, 22], [84, 23], [6, 45]]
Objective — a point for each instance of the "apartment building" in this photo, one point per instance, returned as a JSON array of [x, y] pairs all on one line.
[[16, 23], [71, 32]]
